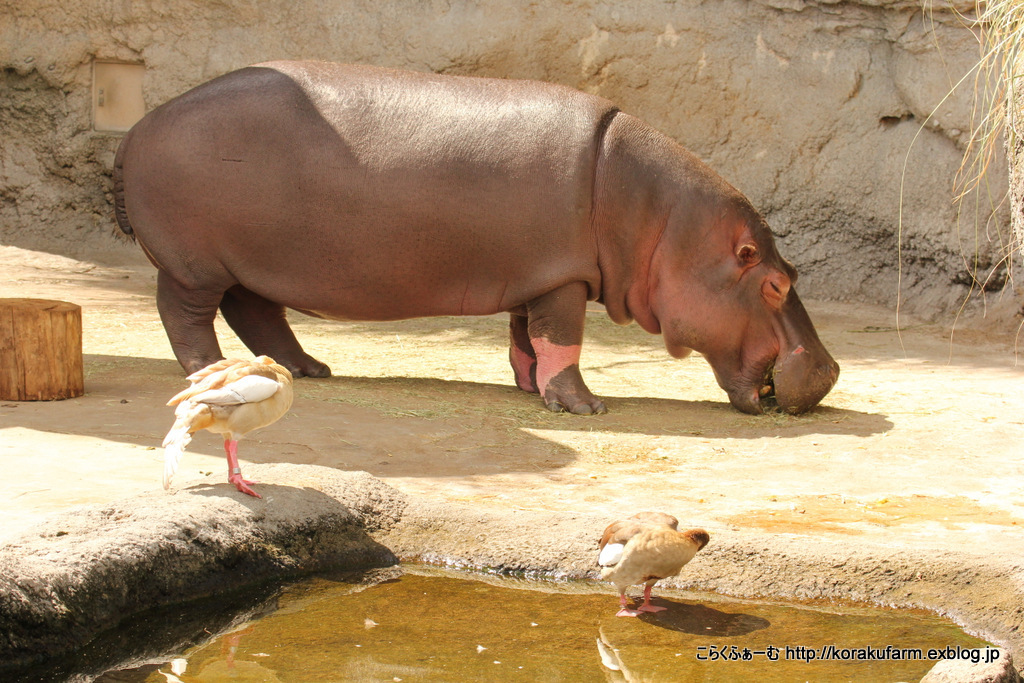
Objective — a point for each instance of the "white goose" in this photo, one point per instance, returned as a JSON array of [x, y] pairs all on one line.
[[643, 549], [231, 397]]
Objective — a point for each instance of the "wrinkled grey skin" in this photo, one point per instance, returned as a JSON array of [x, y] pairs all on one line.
[[359, 193]]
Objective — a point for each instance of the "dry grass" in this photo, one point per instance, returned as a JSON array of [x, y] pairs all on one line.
[[995, 78], [999, 25]]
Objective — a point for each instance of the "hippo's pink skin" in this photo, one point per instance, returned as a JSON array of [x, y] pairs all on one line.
[[360, 193]]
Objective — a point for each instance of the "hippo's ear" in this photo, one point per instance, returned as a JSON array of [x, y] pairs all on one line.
[[748, 254], [745, 245]]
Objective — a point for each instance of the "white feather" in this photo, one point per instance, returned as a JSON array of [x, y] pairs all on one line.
[[172, 456], [179, 437], [248, 389], [610, 554]]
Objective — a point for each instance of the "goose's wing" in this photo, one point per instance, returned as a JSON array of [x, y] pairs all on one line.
[[222, 376], [614, 541], [246, 389]]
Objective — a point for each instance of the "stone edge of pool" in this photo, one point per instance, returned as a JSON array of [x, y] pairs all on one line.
[[81, 573]]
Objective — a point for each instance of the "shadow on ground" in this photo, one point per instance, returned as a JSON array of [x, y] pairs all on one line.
[[436, 427]]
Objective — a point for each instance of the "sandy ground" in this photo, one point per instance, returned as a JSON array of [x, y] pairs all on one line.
[[919, 446]]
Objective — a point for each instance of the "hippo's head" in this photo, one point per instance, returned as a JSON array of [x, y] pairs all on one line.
[[719, 286]]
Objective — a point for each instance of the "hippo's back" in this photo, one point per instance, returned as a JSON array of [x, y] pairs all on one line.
[[395, 117], [453, 180]]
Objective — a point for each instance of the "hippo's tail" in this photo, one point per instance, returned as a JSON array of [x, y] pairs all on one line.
[[120, 213]]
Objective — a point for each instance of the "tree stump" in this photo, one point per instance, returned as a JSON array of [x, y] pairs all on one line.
[[40, 350]]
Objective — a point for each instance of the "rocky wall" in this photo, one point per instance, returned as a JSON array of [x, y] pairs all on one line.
[[835, 118]]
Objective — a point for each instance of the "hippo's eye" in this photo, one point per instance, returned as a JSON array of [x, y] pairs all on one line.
[[747, 254]]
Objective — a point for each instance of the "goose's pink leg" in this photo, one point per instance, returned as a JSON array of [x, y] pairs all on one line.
[[647, 606], [625, 611], [234, 471]]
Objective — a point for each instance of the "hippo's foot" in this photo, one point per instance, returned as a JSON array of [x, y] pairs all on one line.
[[566, 392], [306, 366], [302, 367], [545, 350], [594, 406]]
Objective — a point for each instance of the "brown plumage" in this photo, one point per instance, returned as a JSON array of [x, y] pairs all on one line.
[[231, 397], [643, 549]]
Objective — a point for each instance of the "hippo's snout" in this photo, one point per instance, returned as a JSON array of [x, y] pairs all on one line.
[[801, 374], [802, 378]]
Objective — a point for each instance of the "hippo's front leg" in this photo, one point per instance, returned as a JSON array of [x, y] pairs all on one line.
[[546, 359]]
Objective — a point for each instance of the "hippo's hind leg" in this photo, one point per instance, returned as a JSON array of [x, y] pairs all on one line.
[[521, 354], [555, 333], [187, 315], [262, 325]]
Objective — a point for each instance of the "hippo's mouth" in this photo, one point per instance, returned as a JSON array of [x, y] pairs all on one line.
[[766, 394], [754, 395]]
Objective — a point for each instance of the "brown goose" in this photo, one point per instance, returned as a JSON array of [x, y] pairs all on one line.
[[231, 397], [643, 549]]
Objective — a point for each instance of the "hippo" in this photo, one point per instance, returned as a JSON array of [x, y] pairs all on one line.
[[362, 193]]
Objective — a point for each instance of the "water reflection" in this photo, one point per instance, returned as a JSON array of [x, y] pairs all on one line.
[[426, 625], [701, 620], [624, 664]]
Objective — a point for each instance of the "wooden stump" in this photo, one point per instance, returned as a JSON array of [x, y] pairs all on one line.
[[40, 350]]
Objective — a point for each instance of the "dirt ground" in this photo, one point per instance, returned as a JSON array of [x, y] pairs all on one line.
[[919, 446]]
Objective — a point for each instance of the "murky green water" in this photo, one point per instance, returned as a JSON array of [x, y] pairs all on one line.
[[428, 625]]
